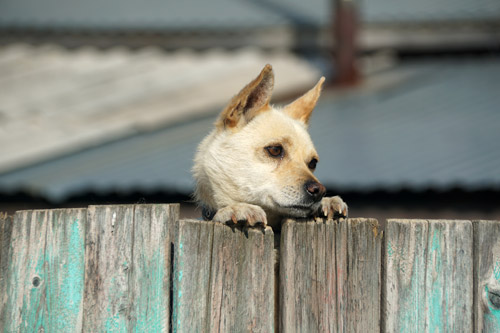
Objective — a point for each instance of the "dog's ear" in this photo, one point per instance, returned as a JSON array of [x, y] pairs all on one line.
[[303, 106], [249, 102]]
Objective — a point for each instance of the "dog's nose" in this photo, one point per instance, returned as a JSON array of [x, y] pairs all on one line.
[[315, 190]]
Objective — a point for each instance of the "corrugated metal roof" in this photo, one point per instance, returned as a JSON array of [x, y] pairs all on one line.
[[145, 162], [55, 101], [224, 14], [154, 14], [438, 127], [375, 11]]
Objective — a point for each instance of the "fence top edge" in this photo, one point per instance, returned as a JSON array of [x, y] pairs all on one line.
[[428, 221], [92, 207], [135, 205], [52, 210], [486, 221], [354, 220], [266, 230]]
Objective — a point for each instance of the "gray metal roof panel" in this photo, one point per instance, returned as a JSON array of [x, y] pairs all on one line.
[[226, 14], [54, 101], [188, 14], [438, 129], [150, 161], [428, 10]]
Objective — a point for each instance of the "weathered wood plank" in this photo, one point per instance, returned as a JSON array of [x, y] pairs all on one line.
[[403, 272], [223, 279], [191, 276], [330, 276], [362, 252], [45, 273], [5, 254], [427, 276], [150, 276], [127, 266], [308, 277], [486, 276], [5, 233], [108, 258]]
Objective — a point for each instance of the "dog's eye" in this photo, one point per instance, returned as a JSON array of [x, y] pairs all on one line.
[[312, 164], [275, 151]]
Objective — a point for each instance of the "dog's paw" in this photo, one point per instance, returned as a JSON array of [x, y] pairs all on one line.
[[247, 214], [333, 207]]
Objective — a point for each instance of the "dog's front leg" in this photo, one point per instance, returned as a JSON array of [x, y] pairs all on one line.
[[333, 207], [248, 214]]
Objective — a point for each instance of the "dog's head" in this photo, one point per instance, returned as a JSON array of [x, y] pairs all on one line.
[[261, 155]]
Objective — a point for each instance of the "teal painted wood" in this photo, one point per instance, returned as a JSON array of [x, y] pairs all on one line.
[[191, 276], [223, 279], [405, 252], [428, 280], [487, 276], [45, 274], [153, 230], [127, 268]]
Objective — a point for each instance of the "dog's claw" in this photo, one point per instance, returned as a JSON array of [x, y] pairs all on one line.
[[249, 215], [333, 207]]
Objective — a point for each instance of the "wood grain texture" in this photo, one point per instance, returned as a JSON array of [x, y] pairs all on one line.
[[108, 256], [5, 255], [427, 276], [45, 274], [5, 234], [127, 268], [362, 251], [308, 277], [223, 279], [109, 268], [487, 276], [150, 276], [330, 276]]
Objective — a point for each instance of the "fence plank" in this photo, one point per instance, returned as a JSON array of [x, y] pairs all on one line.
[[330, 276], [108, 268], [428, 276], [363, 245], [5, 239], [108, 256], [223, 279], [191, 277], [487, 276], [150, 276], [127, 261], [307, 277], [45, 273], [5, 233]]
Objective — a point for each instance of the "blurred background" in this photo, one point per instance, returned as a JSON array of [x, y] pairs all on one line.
[[105, 101]]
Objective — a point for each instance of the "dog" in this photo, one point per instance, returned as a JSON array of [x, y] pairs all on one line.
[[256, 166]]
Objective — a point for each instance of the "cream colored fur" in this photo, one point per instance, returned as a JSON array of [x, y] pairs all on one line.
[[239, 179]]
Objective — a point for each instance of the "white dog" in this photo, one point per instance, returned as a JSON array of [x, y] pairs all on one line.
[[257, 165]]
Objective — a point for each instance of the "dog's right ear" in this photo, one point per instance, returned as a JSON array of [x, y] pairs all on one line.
[[250, 101]]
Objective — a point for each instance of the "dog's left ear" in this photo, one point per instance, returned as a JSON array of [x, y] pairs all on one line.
[[249, 102], [301, 109]]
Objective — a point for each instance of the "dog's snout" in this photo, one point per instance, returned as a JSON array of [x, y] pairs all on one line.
[[315, 190]]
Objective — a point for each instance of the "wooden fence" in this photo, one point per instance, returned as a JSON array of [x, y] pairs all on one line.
[[138, 268]]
